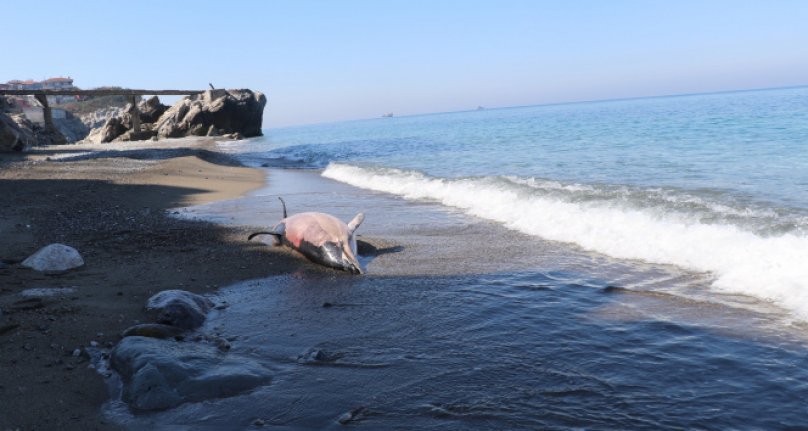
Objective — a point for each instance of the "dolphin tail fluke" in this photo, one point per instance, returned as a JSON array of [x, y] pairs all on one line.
[[284, 206]]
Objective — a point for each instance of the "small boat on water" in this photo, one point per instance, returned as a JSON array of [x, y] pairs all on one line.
[[387, 115]]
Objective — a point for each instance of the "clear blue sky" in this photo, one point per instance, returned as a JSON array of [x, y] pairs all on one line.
[[321, 61]]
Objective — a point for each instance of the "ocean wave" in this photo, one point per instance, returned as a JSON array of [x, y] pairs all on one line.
[[751, 250]]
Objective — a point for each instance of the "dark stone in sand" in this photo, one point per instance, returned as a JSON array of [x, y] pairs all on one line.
[[179, 308], [160, 374], [4, 329], [28, 304], [154, 330]]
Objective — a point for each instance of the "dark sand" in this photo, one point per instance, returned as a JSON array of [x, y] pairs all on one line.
[[112, 209]]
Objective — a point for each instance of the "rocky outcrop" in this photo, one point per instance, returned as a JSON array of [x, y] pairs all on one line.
[[214, 112], [232, 113]]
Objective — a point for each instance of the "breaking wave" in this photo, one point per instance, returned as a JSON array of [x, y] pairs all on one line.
[[751, 249]]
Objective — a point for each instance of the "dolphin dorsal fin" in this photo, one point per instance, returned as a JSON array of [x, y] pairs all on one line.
[[355, 223], [284, 206]]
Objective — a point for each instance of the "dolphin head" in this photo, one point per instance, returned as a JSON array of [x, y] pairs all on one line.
[[341, 256], [350, 262]]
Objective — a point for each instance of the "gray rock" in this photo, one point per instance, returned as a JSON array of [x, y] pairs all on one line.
[[160, 374], [54, 258], [151, 110], [15, 133], [114, 127], [179, 308]]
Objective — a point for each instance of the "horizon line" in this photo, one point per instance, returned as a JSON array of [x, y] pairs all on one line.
[[574, 102]]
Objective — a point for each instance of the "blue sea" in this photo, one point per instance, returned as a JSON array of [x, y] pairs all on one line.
[[627, 264], [713, 183]]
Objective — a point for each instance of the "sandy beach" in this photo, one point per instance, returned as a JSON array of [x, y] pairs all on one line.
[[113, 210]]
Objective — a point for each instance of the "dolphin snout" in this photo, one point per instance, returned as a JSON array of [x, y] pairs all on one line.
[[350, 264]]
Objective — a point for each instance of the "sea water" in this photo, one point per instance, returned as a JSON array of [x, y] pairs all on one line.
[[632, 264]]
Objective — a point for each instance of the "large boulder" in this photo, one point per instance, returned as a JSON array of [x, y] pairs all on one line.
[[151, 110], [160, 374], [225, 111], [113, 128], [15, 133]]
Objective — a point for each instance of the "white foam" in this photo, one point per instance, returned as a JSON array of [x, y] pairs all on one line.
[[773, 268]]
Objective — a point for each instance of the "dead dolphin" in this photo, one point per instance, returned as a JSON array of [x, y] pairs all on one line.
[[321, 237]]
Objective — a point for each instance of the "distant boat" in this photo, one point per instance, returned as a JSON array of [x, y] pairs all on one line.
[[387, 115], [480, 108]]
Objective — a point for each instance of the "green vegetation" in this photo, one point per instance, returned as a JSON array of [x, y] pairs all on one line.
[[90, 104]]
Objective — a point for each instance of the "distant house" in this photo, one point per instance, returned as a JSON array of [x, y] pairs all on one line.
[[57, 83], [24, 85]]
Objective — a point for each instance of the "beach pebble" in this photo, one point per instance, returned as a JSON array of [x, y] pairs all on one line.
[[179, 308], [54, 258]]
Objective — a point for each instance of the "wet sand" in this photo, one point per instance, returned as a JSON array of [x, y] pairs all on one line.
[[111, 205]]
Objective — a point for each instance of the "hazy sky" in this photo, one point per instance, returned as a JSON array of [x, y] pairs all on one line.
[[323, 61]]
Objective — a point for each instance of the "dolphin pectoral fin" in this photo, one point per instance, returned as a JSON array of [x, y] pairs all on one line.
[[355, 223]]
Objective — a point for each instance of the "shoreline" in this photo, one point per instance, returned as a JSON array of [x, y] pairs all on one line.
[[112, 206]]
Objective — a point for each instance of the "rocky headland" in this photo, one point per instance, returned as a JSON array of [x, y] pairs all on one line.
[[216, 112]]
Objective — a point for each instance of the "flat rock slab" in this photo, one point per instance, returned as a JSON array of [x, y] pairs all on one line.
[[160, 374], [54, 258]]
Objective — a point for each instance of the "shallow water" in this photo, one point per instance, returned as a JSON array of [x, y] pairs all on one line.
[[464, 324]]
